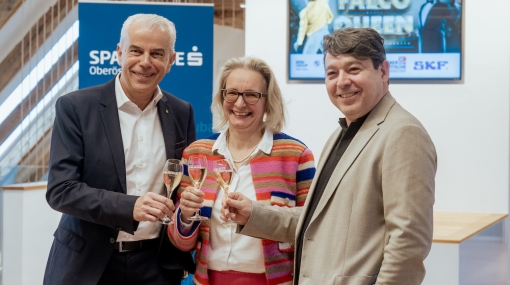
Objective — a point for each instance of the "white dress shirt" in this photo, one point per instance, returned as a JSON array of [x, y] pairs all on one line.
[[144, 152], [227, 249]]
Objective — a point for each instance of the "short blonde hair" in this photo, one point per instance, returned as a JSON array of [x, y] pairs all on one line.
[[274, 109]]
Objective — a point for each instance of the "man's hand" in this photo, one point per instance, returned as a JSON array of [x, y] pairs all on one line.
[[236, 207], [152, 206]]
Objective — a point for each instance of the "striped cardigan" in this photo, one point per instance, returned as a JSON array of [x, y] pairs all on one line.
[[281, 178]]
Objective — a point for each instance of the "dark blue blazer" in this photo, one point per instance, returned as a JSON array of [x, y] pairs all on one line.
[[87, 182]]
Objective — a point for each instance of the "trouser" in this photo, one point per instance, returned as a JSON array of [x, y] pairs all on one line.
[[138, 267]]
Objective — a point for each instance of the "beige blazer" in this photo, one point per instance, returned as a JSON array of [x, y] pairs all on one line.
[[374, 220]]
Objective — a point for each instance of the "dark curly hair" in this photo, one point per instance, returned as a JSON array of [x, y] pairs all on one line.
[[361, 43]]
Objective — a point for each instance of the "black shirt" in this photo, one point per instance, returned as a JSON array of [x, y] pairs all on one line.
[[348, 133]]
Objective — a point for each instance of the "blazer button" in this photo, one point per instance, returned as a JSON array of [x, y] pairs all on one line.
[[112, 240], [286, 201]]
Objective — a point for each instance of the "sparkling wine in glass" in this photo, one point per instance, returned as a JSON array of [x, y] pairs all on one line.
[[172, 174], [223, 174], [197, 170]]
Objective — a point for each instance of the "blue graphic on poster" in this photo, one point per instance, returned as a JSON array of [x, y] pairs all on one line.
[[190, 77]]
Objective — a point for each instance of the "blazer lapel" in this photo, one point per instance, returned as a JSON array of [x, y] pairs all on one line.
[[111, 123], [328, 147], [364, 135], [166, 117]]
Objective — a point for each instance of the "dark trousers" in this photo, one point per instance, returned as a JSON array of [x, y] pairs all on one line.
[[138, 267]]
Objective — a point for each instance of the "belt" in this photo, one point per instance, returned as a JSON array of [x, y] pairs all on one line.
[[236, 277], [123, 246]]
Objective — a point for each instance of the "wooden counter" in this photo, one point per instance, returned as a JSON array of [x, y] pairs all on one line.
[[26, 186], [456, 227]]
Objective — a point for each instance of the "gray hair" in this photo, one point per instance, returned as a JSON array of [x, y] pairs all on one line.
[[152, 22]]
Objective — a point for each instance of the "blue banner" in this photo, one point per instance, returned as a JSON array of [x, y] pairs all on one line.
[[191, 75]]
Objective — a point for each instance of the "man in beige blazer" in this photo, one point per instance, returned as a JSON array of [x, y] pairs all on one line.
[[368, 218]]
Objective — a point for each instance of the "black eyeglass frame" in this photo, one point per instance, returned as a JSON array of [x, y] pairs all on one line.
[[224, 94]]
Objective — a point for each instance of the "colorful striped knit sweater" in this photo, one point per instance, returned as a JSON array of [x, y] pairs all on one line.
[[281, 178]]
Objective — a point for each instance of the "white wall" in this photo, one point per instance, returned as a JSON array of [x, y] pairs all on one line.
[[468, 121], [28, 227], [228, 43]]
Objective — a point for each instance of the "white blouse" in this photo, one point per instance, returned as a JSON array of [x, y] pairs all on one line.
[[227, 249]]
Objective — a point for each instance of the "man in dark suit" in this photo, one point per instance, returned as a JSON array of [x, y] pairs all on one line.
[[108, 147]]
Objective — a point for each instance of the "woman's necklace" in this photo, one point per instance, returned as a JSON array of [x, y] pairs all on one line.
[[249, 154]]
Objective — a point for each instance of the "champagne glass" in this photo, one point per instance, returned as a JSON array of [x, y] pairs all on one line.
[[223, 174], [172, 174], [197, 170]]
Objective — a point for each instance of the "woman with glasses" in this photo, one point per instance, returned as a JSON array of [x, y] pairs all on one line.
[[267, 165]]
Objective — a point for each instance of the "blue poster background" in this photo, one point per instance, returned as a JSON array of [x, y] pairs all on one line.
[[191, 75]]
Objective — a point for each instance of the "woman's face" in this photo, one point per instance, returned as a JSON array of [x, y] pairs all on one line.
[[241, 116]]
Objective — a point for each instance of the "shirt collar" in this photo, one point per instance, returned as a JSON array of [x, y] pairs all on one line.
[[357, 123], [265, 145], [122, 98]]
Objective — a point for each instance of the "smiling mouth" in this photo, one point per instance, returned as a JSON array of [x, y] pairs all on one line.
[[142, 75], [241, 113], [347, 95]]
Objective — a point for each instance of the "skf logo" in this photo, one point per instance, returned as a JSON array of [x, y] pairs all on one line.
[[430, 65]]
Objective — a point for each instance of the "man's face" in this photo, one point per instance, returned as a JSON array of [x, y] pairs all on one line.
[[354, 86], [145, 58]]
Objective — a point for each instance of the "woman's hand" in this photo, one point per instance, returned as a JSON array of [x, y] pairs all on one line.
[[191, 201]]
